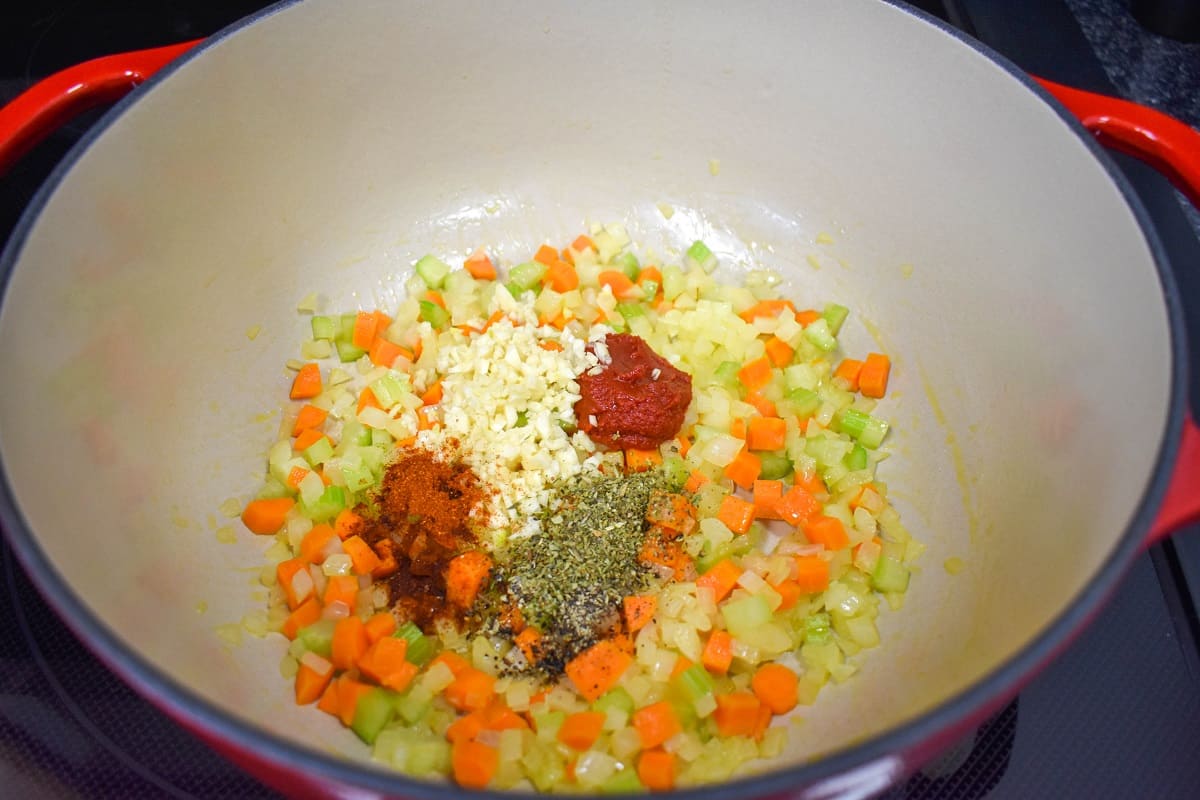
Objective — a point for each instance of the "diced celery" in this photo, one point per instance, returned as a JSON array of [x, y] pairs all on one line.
[[820, 335], [318, 637], [676, 471], [708, 499], [324, 328], [693, 683], [432, 270], [378, 437], [827, 450], [357, 476], [428, 757], [355, 434], [743, 616], [348, 352], [526, 276], [890, 575], [390, 388], [615, 698], [674, 282], [373, 712], [873, 433], [856, 459], [699, 255], [816, 628], [420, 647], [649, 288], [272, 488], [631, 310], [627, 262], [413, 704], [327, 506], [775, 465], [624, 782], [727, 373], [835, 315], [319, 451], [547, 723], [345, 327], [803, 402], [434, 314], [545, 766], [869, 431]]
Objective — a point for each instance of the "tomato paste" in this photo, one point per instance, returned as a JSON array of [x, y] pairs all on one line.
[[637, 400]]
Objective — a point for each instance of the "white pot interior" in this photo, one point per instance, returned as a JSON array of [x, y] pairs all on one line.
[[327, 146]]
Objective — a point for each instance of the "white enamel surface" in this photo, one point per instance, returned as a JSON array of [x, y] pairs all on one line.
[[326, 147]]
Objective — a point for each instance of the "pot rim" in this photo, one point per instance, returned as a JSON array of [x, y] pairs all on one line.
[[880, 758]]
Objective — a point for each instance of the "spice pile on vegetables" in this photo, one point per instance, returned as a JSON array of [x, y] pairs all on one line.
[[581, 524]]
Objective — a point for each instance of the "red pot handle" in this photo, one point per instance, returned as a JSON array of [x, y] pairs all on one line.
[[1173, 149], [39, 110]]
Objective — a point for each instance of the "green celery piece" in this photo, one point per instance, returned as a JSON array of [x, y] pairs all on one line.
[[627, 262], [319, 451], [693, 683], [816, 628], [775, 465], [420, 647], [544, 765], [522, 419], [873, 433], [677, 471], [856, 459], [324, 328], [615, 698], [348, 352], [389, 389], [318, 637], [379, 438], [355, 434], [625, 781], [649, 288], [804, 403], [373, 712], [526, 276], [547, 723], [631, 310], [746, 614], [861, 426], [357, 476], [432, 270], [820, 335], [890, 575], [428, 757], [414, 704], [835, 315], [345, 327], [699, 255], [674, 282], [434, 314], [727, 374], [273, 488], [327, 506]]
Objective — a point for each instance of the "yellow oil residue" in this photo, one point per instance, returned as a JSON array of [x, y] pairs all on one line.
[[211, 521], [875, 332], [201, 607], [824, 238], [954, 565], [230, 634], [226, 534], [906, 270], [307, 304], [666, 209], [253, 331], [812, 261], [264, 416], [180, 520], [231, 507], [714, 167], [956, 456]]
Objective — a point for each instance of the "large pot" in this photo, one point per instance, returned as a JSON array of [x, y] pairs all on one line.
[[1038, 401]]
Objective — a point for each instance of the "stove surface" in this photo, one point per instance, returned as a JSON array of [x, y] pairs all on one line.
[[1116, 716]]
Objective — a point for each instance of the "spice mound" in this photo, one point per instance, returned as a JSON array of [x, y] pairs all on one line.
[[636, 400]]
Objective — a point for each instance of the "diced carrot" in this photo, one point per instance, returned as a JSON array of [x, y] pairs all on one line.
[[779, 351], [756, 374], [480, 266], [671, 511], [499, 717], [550, 345], [471, 690], [736, 714], [685, 445], [295, 476], [474, 764], [624, 642], [366, 399], [309, 417], [329, 698], [849, 370], [363, 335], [453, 661], [807, 317], [583, 242], [695, 480], [560, 321], [681, 665], [656, 723], [424, 421], [385, 663], [744, 469], [641, 460], [307, 438], [762, 722], [350, 692], [721, 578], [307, 382], [306, 614], [347, 523], [529, 640], [766, 433], [812, 483], [622, 287], [790, 593], [362, 557], [767, 494], [658, 548], [812, 574], [718, 652], [436, 298], [737, 428], [656, 770], [314, 541], [736, 513], [383, 353], [775, 687], [285, 573], [766, 308], [597, 669], [465, 576], [341, 589], [432, 395], [580, 731], [312, 681], [465, 728], [561, 276], [350, 641], [267, 516], [639, 610], [797, 506], [828, 531], [546, 255], [380, 624], [511, 618], [873, 379], [382, 322], [761, 404]]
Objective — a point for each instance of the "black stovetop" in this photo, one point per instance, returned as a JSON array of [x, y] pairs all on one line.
[[1118, 715]]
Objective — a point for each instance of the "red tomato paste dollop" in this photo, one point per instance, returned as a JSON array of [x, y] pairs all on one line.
[[637, 400]]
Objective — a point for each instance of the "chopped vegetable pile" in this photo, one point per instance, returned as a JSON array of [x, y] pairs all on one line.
[[482, 591]]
